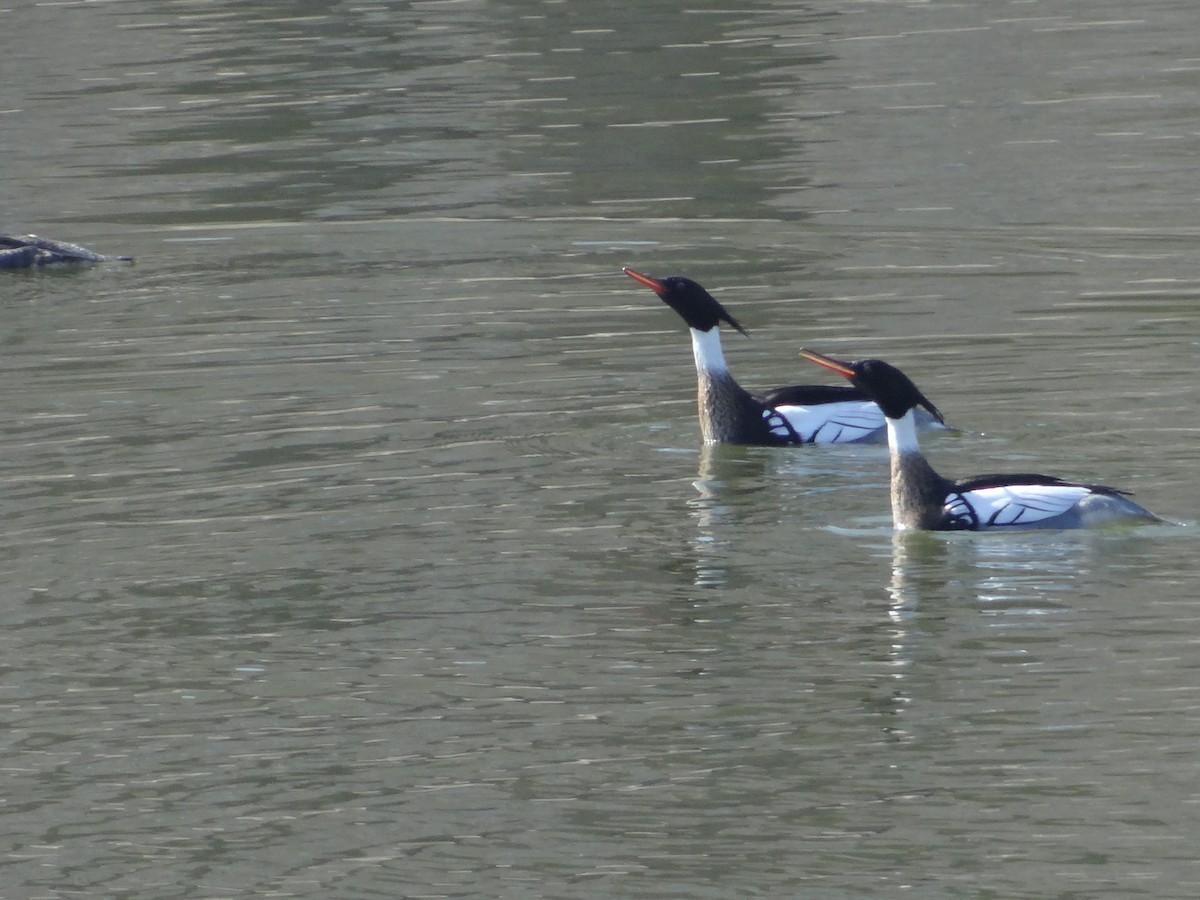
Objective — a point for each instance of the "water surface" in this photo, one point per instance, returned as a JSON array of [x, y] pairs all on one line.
[[358, 540]]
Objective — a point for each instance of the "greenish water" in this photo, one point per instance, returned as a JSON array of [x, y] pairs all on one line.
[[358, 541]]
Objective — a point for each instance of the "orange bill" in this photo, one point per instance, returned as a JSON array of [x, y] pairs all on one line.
[[828, 362], [653, 284]]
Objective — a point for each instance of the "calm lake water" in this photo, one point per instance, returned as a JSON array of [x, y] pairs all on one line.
[[358, 541]]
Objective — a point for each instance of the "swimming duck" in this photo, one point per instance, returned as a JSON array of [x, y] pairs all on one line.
[[800, 414], [922, 499]]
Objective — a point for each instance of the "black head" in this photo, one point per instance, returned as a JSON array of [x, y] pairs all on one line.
[[884, 383], [694, 304]]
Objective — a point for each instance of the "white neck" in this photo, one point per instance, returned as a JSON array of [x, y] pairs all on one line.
[[902, 434], [706, 346]]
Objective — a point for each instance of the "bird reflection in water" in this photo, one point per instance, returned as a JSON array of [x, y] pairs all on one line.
[[728, 478], [918, 570], [957, 599], [712, 514], [1018, 576]]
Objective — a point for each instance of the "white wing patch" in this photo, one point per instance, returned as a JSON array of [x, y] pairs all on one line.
[[778, 426], [832, 423], [1018, 504]]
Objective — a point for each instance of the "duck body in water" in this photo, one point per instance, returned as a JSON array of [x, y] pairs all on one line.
[[729, 414], [922, 499], [28, 251]]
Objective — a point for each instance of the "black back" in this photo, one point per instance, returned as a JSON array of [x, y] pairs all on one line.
[[1009, 479], [813, 395]]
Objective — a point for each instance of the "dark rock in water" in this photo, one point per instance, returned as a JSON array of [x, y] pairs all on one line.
[[24, 251]]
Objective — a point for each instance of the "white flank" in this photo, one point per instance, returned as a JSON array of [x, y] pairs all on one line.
[[833, 423], [706, 345], [1021, 504]]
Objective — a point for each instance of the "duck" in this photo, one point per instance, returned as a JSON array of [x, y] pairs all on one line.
[[729, 414], [25, 251], [923, 500]]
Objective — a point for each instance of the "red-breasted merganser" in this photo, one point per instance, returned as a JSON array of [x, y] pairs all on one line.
[[801, 414], [923, 499], [24, 251]]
